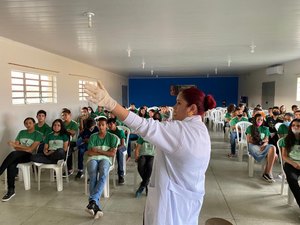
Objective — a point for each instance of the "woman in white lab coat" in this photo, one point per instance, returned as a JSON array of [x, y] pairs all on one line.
[[183, 147]]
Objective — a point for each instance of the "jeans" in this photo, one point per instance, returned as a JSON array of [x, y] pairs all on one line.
[[82, 148], [120, 160], [292, 176], [145, 163], [98, 171], [49, 159], [258, 155], [70, 158], [132, 137], [233, 136], [10, 163]]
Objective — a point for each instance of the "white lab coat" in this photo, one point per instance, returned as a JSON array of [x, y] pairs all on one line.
[[176, 186]]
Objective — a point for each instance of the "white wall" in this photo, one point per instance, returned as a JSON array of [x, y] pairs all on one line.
[[285, 85], [12, 116]]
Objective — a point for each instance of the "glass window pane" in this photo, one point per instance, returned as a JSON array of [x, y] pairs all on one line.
[[47, 100], [45, 94], [32, 82], [17, 74], [18, 101], [47, 89], [32, 100], [32, 94], [17, 88], [32, 88], [18, 94], [32, 76], [46, 83], [45, 77], [16, 81]]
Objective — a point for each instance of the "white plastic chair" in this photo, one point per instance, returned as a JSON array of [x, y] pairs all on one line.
[[277, 125], [106, 193], [24, 173], [218, 118], [106, 186], [290, 194], [57, 168], [242, 141], [127, 132]]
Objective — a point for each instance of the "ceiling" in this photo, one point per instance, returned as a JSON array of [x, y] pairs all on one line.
[[172, 37]]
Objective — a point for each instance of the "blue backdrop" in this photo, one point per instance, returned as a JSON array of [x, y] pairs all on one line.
[[156, 91]]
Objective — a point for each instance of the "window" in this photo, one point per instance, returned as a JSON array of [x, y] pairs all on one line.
[[30, 88], [298, 89], [83, 95]]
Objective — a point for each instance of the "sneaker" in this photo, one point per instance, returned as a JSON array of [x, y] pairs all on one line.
[[121, 180], [139, 192], [70, 172], [97, 212], [229, 155], [90, 208], [268, 178], [8, 196], [79, 175]]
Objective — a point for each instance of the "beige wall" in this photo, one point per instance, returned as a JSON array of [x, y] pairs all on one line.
[[12, 116], [285, 85]]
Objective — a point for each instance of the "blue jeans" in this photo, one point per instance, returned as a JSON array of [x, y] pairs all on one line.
[[120, 160], [233, 136], [98, 171], [82, 148], [258, 155]]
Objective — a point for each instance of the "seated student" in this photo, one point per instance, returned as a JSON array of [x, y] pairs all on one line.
[[42, 127], [151, 113], [82, 118], [132, 108], [258, 147], [271, 122], [26, 142], [82, 143], [72, 127], [112, 125], [228, 115], [294, 108], [291, 157], [282, 110], [143, 112], [56, 145], [242, 106], [144, 155], [101, 149], [283, 128], [237, 117], [297, 114]]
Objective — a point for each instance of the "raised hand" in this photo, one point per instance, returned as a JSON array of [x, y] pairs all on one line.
[[99, 95]]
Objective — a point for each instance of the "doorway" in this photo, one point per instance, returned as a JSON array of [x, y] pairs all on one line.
[[268, 94]]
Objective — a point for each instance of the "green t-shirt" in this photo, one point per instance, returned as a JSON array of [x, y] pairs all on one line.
[[72, 126], [264, 131], [295, 151], [228, 116], [120, 133], [146, 148], [283, 129], [104, 144], [27, 139], [45, 129], [56, 141]]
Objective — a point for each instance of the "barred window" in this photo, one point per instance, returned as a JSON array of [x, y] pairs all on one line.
[[33, 88], [83, 95], [298, 89]]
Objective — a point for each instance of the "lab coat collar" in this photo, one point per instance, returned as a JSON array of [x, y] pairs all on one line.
[[193, 118]]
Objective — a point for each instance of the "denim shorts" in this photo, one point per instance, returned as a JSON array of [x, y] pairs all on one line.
[[254, 150]]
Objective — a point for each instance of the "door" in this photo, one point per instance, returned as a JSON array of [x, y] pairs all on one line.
[[268, 93], [124, 96]]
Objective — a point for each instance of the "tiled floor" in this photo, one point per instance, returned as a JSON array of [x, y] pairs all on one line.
[[230, 194]]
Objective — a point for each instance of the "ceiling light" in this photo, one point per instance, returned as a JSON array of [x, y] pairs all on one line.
[[143, 64], [152, 72], [229, 61], [89, 15], [252, 48], [128, 51], [216, 70]]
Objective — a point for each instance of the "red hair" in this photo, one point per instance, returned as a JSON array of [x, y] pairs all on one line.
[[195, 96]]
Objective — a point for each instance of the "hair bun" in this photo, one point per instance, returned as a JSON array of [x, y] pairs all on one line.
[[209, 102]]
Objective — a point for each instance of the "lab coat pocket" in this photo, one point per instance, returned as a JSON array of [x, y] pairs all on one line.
[[184, 205]]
